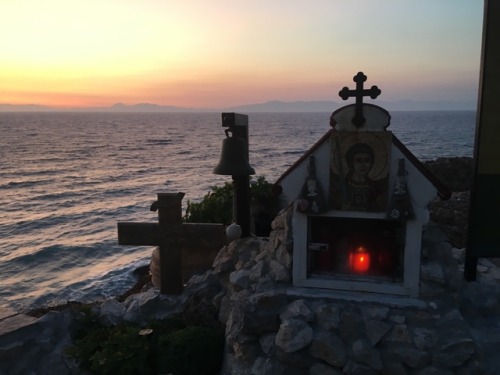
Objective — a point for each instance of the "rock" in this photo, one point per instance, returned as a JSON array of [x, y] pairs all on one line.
[[399, 334], [226, 258], [151, 305], [245, 351], [419, 318], [328, 316], [278, 271], [452, 217], [246, 248], [266, 366], [298, 309], [495, 274], [262, 312], [363, 352], [328, 347], [354, 368], [432, 271], [284, 257], [111, 312], [279, 221], [202, 281], [458, 254], [351, 325], [412, 357], [397, 317], [240, 279], [298, 362], [260, 321], [39, 347], [375, 312], [394, 368], [455, 173], [433, 238], [257, 271], [431, 370], [376, 330], [321, 369], [293, 335], [267, 343], [424, 338], [454, 352], [235, 327]]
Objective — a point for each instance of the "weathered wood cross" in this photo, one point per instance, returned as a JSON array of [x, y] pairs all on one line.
[[173, 237], [358, 119]]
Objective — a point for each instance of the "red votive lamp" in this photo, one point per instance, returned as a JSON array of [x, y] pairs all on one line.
[[359, 260]]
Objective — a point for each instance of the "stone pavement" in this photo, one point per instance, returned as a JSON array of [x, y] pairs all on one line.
[[35, 346], [486, 332], [11, 321]]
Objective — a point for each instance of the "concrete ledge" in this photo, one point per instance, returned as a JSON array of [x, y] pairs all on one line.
[[15, 322], [5, 313], [382, 299]]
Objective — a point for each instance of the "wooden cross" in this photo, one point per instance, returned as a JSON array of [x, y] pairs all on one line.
[[171, 235], [358, 119]]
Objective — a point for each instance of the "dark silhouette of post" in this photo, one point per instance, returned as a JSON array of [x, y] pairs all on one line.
[[235, 162], [483, 233]]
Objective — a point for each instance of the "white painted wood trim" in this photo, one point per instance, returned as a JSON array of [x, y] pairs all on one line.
[[411, 274], [412, 255]]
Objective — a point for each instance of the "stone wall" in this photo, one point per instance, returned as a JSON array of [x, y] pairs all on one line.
[[30, 346], [273, 328]]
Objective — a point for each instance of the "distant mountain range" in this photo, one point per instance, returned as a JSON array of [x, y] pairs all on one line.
[[271, 106]]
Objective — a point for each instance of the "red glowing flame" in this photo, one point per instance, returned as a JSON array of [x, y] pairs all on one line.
[[359, 260]]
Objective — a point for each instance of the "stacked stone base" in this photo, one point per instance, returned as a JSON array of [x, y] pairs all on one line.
[[272, 333], [273, 328]]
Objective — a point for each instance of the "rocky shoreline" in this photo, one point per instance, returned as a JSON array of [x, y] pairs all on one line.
[[275, 328], [451, 215]]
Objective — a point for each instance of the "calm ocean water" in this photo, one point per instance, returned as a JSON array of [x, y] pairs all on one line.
[[66, 179]]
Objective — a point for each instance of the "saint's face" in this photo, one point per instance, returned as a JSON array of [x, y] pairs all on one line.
[[362, 164]]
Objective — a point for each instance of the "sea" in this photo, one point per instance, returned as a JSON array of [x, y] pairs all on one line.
[[68, 178]]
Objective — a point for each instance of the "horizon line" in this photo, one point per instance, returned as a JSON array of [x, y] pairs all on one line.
[[268, 106]]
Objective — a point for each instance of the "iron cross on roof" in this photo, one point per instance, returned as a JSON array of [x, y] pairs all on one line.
[[358, 120]]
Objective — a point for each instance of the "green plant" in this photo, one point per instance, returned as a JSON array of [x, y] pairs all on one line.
[[162, 346], [192, 350], [217, 205], [124, 351]]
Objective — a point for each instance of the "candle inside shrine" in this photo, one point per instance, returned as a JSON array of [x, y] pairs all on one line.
[[359, 260]]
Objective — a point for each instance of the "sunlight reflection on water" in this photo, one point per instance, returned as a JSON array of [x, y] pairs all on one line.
[[68, 178]]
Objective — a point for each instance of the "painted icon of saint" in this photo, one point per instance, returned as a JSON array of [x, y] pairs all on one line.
[[359, 172]]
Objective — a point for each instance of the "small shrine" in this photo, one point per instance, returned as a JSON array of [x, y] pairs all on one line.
[[360, 202]]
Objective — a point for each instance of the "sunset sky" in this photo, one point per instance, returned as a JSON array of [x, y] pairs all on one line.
[[220, 53]]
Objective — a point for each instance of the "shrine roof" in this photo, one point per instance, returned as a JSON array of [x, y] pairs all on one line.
[[443, 192]]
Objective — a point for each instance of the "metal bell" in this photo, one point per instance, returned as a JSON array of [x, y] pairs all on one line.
[[234, 158]]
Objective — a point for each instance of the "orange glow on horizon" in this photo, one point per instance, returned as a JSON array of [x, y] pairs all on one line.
[[212, 55]]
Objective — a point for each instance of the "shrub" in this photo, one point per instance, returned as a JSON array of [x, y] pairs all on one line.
[[192, 350], [163, 346], [217, 205]]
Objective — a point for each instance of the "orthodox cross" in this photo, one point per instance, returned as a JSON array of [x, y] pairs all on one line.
[[358, 119], [171, 235]]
